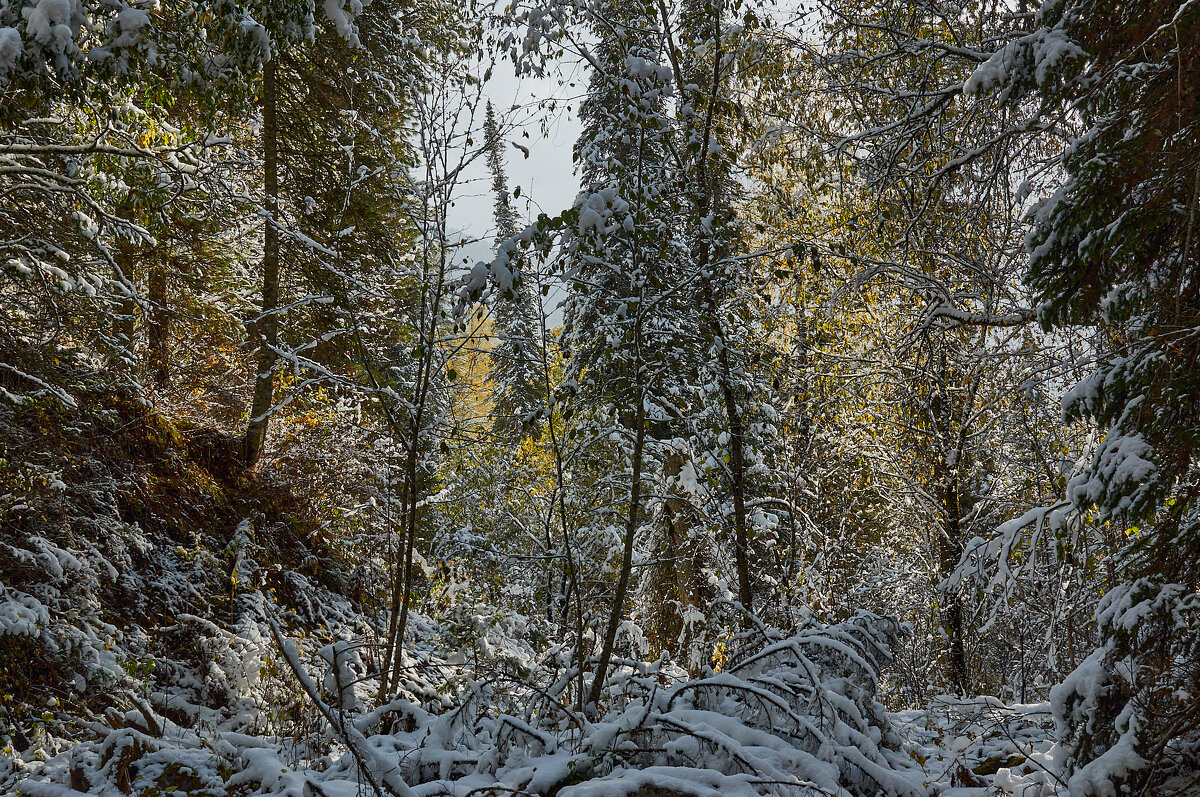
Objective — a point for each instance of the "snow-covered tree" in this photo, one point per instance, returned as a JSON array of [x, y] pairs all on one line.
[[1113, 244], [515, 371]]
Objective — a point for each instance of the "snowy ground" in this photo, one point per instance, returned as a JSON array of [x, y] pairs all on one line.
[[797, 716]]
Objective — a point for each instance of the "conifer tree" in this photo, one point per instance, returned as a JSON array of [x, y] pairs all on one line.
[[618, 329], [514, 369], [1116, 245]]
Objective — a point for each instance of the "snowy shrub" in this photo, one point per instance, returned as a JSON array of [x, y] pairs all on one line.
[[796, 716]]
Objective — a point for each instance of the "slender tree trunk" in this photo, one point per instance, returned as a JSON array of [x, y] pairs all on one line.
[[737, 461], [551, 598], [950, 542], [159, 327], [427, 324], [950, 551], [802, 391], [803, 431], [410, 544], [268, 324], [737, 467], [125, 323], [571, 573], [631, 525], [571, 589], [127, 320], [395, 567]]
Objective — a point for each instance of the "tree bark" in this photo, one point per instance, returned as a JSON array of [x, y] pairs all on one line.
[[679, 548], [268, 323], [737, 468], [950, 542], [159, 327], [737, 461], [631, 525], [125, 322], [395, 567], [708, 199], [410, 544], [427, 324], [950, 550]]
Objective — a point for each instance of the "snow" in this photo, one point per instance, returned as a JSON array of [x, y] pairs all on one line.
[[22, 615], [53, 22], [1100, 776], [486, 693], [342, 17], [1075, 699], [10, 49], [130, 21], [256, 33], [1120, 608], [597, 209], [1121, 468], [643, 68], [785, 716], [1037, 56], [51, 29]]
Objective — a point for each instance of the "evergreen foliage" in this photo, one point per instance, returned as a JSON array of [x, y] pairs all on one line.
[[838, 438]]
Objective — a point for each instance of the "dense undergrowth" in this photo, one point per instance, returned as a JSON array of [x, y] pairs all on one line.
[[171, 623], [132, 545]]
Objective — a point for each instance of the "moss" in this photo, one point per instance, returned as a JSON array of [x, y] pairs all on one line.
[[159, 499], [993, 765]]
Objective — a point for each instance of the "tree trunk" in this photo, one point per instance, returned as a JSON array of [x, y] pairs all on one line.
[[950, 542], [679, 548], [159, 327], [395, 566], [570, 572], [737, 462], [737, 467], [710, 197], [125, 322], [268, 323], [410, 544], [631, 525], [682, 572], [950, 550]]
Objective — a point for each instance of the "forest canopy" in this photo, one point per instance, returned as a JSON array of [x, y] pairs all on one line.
[[838, 438]]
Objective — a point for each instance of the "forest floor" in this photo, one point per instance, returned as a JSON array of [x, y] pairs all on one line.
[[170, 624]]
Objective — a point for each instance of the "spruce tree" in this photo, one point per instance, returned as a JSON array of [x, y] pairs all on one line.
[[1116, 245], [619, 334], [514, 371]]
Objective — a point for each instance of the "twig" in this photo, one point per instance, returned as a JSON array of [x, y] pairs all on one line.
[[353, 738]]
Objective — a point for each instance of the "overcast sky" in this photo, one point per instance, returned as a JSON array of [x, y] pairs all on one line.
[[547, 177]]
